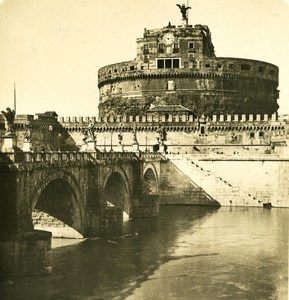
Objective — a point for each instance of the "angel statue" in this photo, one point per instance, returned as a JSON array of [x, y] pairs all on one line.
[[120, 138], [89, 133], [134, 137], [9, 116], [27, 134], [183, 10]]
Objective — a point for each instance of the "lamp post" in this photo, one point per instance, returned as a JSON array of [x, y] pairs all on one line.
[[111, 142], [58, 141], [50, 128]]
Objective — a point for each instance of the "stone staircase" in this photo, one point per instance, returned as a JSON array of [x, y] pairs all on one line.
[[176, 188], [216, 187]]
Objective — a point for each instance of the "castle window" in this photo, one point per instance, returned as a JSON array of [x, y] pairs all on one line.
[[191, 55], [115, 70], [191, 45], [168, 63], [131, 68], [261, 69], [219, 66], [195, 64], [231, 66], [208, 65], [176, 48], [272, 72], [160, 64], [145, 48], [161, 48], [176, 63], [245, 67]]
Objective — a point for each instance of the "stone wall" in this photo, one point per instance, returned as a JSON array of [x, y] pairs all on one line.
[[266, 181], [178, 188]]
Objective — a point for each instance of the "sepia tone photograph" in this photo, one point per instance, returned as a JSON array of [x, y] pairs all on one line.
[[144, 149]]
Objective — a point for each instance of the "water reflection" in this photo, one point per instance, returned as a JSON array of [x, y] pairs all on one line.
[[186, 253]]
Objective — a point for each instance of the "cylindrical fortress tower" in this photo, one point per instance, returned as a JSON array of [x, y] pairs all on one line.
[[178, 66]]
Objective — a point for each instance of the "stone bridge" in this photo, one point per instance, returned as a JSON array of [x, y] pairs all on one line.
[[87, 191]]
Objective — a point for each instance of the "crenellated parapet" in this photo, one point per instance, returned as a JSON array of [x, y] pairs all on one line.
[[174, 122]]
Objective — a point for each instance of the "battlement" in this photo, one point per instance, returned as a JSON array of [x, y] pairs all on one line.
[[165, 118]]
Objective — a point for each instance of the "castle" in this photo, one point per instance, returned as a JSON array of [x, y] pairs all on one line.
[[176, 65], [176, 94]]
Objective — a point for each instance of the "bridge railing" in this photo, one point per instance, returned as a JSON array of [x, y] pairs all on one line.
[[65, 156], [151, 156]]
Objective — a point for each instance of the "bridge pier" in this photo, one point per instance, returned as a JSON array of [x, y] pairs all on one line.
[[146, 207], [106, 223], [28, 253]]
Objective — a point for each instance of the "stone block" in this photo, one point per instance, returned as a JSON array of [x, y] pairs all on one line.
[[214, 118], [251, 118], [243, 118], [221, 118]]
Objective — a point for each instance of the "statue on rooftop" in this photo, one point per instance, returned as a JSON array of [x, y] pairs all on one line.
[[27, 134], [161, 137], [9, 116], [89, 133], [120, 138], [183, 10], [134, 136]]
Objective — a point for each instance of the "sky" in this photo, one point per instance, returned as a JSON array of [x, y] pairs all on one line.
[[52, 49]]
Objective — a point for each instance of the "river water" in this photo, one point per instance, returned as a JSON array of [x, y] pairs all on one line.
[[186, 253]]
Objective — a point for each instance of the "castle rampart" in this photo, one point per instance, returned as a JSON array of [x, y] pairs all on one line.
[[211, 67]]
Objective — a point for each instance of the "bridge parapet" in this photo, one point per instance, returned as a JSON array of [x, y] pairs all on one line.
[[152, 157], [67, 156]]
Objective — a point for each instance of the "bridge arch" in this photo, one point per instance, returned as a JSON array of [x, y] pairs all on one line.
[[150, 182], [59, 195], [116, 189]]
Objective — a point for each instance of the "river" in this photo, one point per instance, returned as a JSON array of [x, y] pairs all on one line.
[[187, 252]]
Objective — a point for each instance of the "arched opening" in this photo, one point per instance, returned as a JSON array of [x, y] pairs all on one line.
[[116, 192], [57, 207], [150, 183]]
